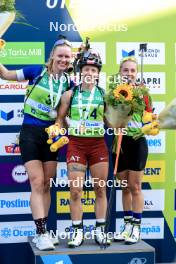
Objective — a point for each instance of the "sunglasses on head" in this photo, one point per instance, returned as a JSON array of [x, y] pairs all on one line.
[[62, 42]]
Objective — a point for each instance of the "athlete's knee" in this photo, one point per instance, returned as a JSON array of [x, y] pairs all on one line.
[[100, 191], [37, 184], [75, 194], [135, 188], [126, 190]]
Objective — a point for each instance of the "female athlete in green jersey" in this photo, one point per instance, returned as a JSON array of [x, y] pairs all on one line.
[[85, 105], [41, 102], [132, 161]]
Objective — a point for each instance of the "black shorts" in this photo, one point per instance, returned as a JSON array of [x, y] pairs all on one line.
[[33, 144], [133, 154]]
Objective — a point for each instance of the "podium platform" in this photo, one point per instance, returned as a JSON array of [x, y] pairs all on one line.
[[91, 253]]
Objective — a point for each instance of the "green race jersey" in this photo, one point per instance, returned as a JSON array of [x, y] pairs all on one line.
[[134, 125], [133, 128], [38, 102], [93, 126]]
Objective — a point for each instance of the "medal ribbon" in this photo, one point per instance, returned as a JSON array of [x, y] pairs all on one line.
[[59, 93], [89, 103]]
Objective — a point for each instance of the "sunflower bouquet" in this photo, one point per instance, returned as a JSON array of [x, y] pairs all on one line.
[[9, 15], [122, 101]]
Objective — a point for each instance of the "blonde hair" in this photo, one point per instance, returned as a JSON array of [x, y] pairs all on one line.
[[133, 59]]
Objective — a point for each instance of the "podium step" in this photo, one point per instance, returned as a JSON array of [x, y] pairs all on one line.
[[91, 253]]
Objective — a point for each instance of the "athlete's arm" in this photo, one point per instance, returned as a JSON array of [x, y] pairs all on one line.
[[6, 74], [64, 108], [26, 73]]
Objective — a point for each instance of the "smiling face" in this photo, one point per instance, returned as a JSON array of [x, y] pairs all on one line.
[[129, 69], [61, 58]]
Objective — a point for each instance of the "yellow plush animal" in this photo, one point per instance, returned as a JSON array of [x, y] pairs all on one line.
[[151, 128], [150, 125], [56, 137], [63, 140], [148, 117]]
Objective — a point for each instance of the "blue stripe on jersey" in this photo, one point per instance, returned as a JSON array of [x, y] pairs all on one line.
[[31, 120], [32, 72]]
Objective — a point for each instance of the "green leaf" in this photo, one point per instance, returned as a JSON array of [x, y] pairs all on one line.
[[26, 24], [7, 5]]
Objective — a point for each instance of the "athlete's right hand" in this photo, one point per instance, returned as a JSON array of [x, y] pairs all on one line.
[[7, 74]]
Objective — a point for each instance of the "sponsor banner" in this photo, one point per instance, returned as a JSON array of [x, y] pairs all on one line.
[[12, 87], [123, 258], [156, 144], [99, 47], [9, 144], [15, 203], [13, 174], [151, 228], [153, 200], [155, 53], [63, 202], [175, 227], [154, 171], [11, 114], [56, 259], [65, 226], [23, 53], [155, 81], [158, 107], [16, 232], [61, 173]]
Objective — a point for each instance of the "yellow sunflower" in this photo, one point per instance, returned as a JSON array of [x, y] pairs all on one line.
[[125, 90]]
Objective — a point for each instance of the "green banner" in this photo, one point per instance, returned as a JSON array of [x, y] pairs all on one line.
[[23, 53]]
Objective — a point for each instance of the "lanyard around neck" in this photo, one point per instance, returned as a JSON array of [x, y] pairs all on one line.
[[59, 93], [89, 103]]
